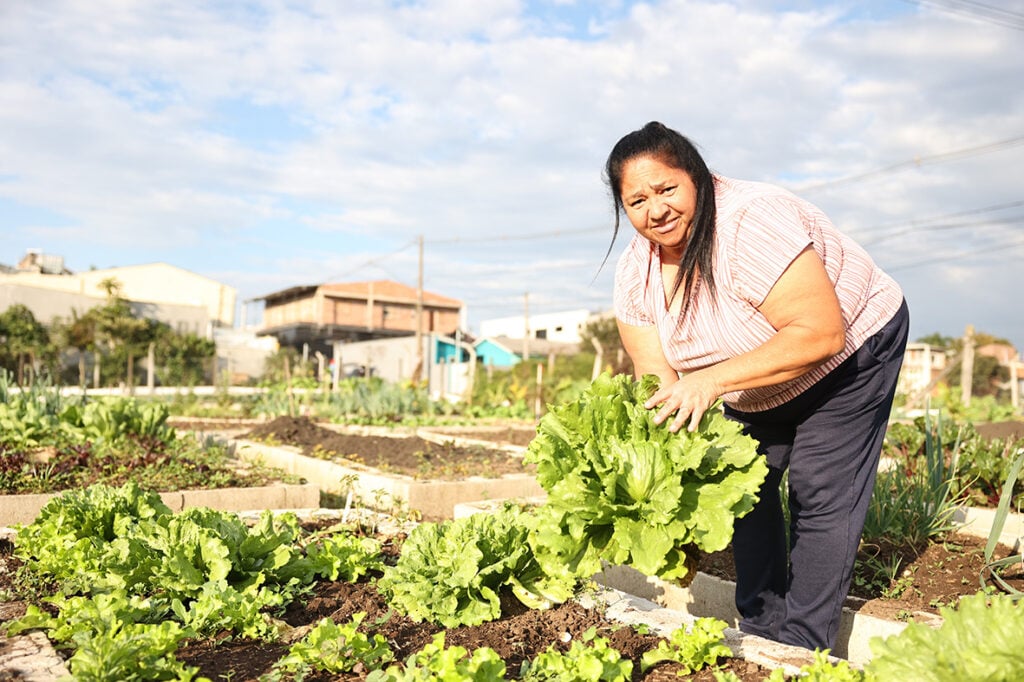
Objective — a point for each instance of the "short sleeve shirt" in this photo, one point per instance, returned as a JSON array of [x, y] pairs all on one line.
[[759, 230]]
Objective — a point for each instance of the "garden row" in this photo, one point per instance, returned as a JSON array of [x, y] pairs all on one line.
[[598, 454]]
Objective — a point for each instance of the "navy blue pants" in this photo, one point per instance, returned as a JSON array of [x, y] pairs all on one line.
[[829, 438]]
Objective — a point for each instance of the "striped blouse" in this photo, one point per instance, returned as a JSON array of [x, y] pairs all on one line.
[[760, 229]]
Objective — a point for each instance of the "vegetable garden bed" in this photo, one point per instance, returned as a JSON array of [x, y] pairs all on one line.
[[113, 637], [401, 473], [49, 444]]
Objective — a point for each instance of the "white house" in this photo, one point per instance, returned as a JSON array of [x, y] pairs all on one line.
[[562, 326]]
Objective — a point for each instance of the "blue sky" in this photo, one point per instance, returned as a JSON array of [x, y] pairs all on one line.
[[275, 143]]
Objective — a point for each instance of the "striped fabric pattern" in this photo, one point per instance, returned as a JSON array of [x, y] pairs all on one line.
[[760, 229]]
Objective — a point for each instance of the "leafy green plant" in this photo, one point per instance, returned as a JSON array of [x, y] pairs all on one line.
[[822, 669], [334, 648], [452, 572], [696, 648], [1002, 510], [132, 651], [626, 490], [452, 664], [589, 659], [979, 640], [914, 502]]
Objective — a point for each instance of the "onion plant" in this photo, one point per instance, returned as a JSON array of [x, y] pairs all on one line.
[[914, 502]]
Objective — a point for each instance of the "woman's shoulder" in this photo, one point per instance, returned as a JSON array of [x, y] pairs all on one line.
[[737, 196]]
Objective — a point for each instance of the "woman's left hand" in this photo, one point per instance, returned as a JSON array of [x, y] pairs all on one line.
[[688, 398]]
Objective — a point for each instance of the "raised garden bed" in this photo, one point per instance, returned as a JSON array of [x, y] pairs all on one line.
[[393, 472], [187, 470], [631, 625]]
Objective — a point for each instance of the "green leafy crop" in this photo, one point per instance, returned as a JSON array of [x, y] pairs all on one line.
[[451, 573], [694, 650], [628, 491], [979, 640], [452, 664], [590, 659]]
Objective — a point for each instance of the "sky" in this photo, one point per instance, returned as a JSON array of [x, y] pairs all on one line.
[[276, 143]]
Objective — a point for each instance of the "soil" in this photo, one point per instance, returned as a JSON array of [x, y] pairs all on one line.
[[928, 578], [1004, 430], [519, 635], [407, 455]]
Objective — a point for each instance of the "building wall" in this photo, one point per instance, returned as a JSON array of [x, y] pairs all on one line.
[[562, 326], [167, 284], [163, 285], [329, 310], [242, 354], [922, 364], [48, 304]]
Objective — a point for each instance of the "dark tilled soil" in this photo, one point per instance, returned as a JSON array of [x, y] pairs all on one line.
[[519, 635], [928, 577], [1011, 429], [407, 455]]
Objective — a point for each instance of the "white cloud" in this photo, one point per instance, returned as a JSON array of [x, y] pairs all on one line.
[[483, 120]]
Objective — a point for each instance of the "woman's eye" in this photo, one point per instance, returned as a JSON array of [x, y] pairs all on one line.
[[635, 203], [668, 190]]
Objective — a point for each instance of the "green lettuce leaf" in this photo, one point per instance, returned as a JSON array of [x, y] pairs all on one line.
[[625, 490]]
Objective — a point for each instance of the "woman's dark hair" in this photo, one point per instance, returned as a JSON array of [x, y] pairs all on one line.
[[659, 142]]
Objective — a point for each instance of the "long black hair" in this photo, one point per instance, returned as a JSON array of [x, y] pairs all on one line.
[[657, 141]]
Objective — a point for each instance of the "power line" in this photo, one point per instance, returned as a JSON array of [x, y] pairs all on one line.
[[371, 261], [976, 10], [916, 162], [940, 259], [509, 238], [940, 226], [944, 216]]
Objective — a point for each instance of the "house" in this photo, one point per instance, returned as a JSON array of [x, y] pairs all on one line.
[[561, 327], [449, 361], [503, 352], [317, 316], [924, 365], [1004, 353]]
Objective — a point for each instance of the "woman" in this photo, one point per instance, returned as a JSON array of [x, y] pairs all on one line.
[[754, 297]]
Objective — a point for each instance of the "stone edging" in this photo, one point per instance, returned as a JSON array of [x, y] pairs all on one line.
[[18, 509], [434, 499]]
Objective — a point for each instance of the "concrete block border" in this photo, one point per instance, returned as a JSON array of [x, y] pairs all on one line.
[[23, 509], [434, 499], [630, 609], [710, 596]]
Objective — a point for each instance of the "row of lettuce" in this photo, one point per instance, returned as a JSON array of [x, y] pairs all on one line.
[[51, 442], [134, 582], [131, 581]]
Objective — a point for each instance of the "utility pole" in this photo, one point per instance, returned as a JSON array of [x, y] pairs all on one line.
[[967, 366], [419, 316], [526, 327]]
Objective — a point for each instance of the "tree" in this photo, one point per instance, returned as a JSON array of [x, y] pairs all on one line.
[[80, 334], [987, 376], [124, 336], [25, 342], [606, 332], [184, 357]]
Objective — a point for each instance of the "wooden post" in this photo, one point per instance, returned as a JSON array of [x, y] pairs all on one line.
[[540, 389], [967, 366], [151, 369], [417, 371], [598, 358], [526, 327]]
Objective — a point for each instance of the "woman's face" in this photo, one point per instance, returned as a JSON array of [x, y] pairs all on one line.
[[659, 201]]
